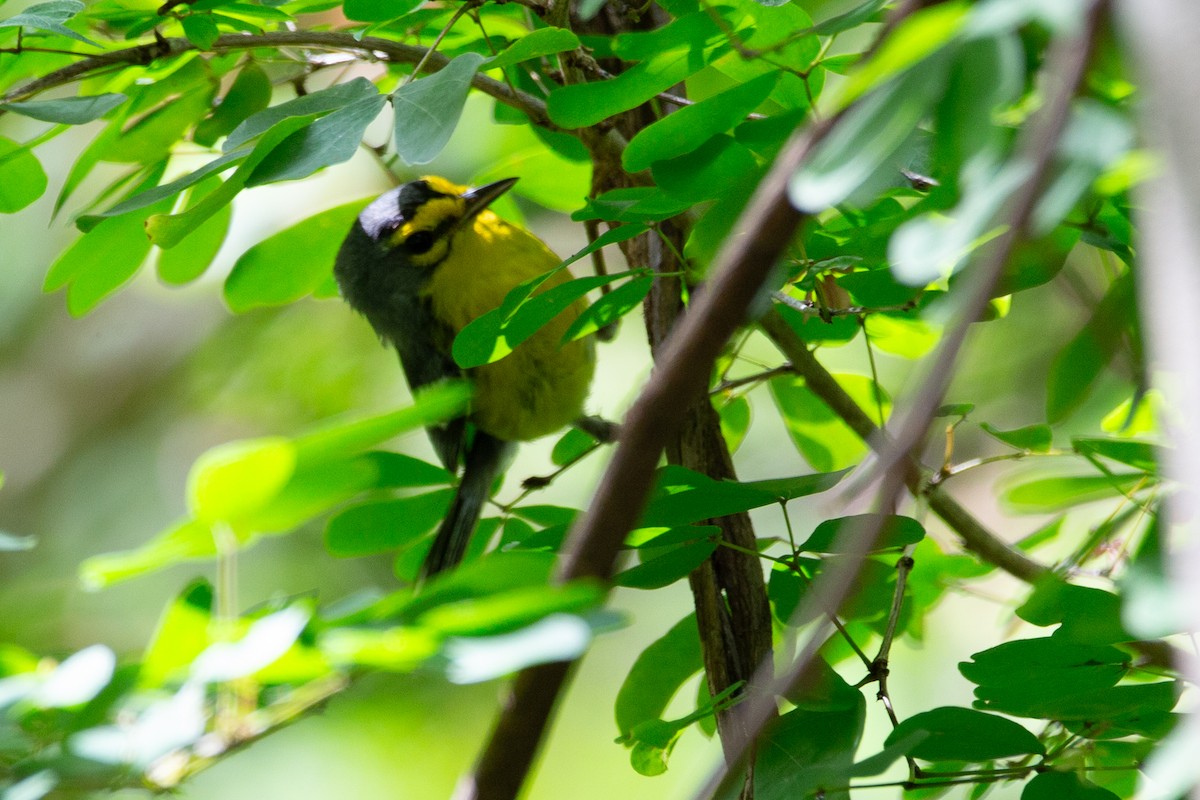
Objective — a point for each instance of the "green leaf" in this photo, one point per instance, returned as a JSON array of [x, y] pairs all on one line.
[[708, 172], [68, 110], [496, 333], [897, 531], [200, 30], [682, 496], [168, 230], [918, 36], [101, 260], [820, 435], [658, 673], [379, 10], [867, 146], [671, 54], [682, 132], [636, 204], [1087, 615], [291, 264], [386, 525], [509, 610], [851, 19], [1051, 661], [342, 438], [1070, 703], [1081, 362], [1035, 438], [22, 179], [427, 109], [184, 541], [808, 750], [1053, 785], [1134, 453], [181, 265], [330, 140], [664, 570], [1043, 495], [249, 94], [49, 17], [571, 445], [961, 734], [535, 44], [181, 635], [156, 194], [735, 420], [314, 104], [609, 308], [229, 481]]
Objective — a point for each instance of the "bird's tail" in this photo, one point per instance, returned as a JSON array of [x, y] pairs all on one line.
[[484, 460]]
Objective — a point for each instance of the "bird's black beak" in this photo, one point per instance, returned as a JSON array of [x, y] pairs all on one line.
[[484, 196]]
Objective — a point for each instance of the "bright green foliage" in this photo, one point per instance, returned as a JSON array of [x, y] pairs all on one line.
[[922, 139]]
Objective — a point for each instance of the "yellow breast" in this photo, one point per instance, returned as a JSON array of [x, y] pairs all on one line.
[[541, 386]]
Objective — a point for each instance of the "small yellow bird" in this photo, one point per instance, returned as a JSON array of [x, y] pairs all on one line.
[[420, 263]]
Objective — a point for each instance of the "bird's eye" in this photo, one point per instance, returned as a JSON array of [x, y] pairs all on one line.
[[419, 242]]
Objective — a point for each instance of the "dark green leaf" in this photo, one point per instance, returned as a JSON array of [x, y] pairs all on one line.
[[249, 94], [535, 44], [1051, 660], [1037, 438], [49, 17], [609, 308], [1088, 615], [657, 674], [22, 179], [851, 19], [1055, 785], [807, 750], [678, 134], [682, 496], [897, 531], [637, 204], [671, 54], [427, 109], [330, 140], [379, 527], [664, 570], [314, 104], [572, 445], [708, 172], [496, 333], [379, 10], [167, 230], [292, 263], [961, 734], [69, 110], [155, 194], [1140, 455], [200, 30]]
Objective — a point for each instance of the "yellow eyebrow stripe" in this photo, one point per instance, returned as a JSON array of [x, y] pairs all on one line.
[[429, 217]]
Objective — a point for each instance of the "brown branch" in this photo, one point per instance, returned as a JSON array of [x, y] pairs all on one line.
[[371, 46]]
